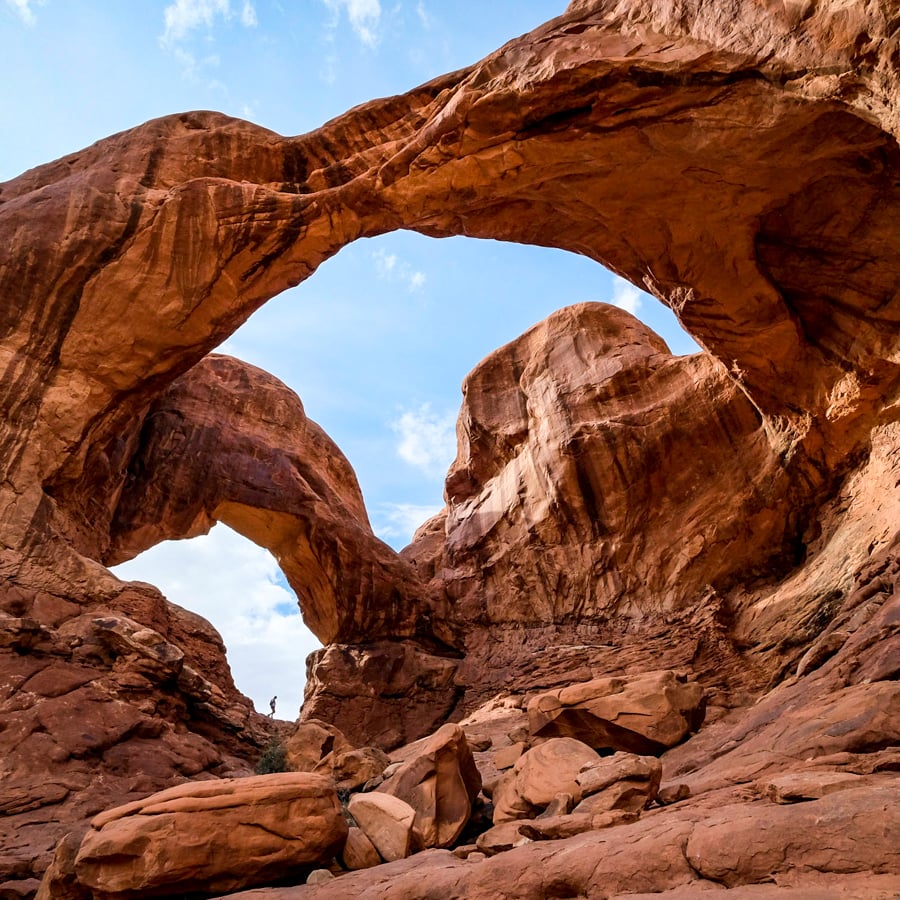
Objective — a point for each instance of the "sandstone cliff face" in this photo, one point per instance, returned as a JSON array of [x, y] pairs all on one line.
[[732, 513]]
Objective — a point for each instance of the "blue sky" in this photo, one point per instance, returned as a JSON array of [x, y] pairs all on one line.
[[378, 341]]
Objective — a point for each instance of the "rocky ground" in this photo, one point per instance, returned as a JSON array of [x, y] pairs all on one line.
[[729, 518]]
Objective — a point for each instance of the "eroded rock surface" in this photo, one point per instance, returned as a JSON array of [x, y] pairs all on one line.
[[613, 510], [210, 836]]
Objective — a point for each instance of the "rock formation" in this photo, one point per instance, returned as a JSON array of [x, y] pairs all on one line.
[[246, 831], [613, 510]]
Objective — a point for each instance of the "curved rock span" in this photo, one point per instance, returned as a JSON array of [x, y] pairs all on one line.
[[613, 510]]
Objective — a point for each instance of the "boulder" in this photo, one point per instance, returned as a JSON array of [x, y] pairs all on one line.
[[619, 782], [506, 757], [359, 852], [500, 838], [440, 783], [797, 787], [539, 776], [644, 715], [313, 745], [319, 876], [213, 836], [386, 821], [353, 769], [555, 828]]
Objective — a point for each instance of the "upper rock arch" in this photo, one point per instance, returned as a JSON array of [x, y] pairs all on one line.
[[718, 171]]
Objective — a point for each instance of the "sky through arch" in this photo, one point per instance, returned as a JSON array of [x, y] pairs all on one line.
[[376, 344]]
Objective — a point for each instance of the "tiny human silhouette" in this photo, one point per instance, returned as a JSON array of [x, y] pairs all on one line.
[[272, 706]]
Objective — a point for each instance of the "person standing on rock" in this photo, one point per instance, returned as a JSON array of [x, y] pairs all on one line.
[[272, 707]]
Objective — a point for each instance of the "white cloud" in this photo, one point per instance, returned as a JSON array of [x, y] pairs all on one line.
[[388, 267], [395, 523], [364, 17], [427, 440], [248, 15], [625, 295], [235, 585], [23, 9], [424, 17], [184, 16]]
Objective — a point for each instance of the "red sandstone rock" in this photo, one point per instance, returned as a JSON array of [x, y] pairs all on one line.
[[642, 715], [359, 852], [312, 745], [357, 688], [212, 836], [228, 442], [539, 776], [732, 514], [439, 783], [843, 835], [386, 821], [619, 782]]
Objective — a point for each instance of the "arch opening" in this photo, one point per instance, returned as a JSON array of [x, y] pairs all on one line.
[[238, 587], [377, 343]]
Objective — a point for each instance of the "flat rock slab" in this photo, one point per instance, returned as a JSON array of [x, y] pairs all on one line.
[[644, 715], [213, 836]]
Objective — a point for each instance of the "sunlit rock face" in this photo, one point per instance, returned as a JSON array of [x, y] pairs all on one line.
[[598, 475], [228, 442], [612, 509]]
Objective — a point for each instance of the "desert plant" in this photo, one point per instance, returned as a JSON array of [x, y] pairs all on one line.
[[274, 757]]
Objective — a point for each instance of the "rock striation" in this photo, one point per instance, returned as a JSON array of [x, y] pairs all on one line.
[[613, 510], [246, 831]]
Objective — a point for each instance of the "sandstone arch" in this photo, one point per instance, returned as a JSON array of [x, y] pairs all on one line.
[[156, 243], [228, 442], [738, 160]]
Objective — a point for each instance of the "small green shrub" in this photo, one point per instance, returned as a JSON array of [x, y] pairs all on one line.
[[274, 758]]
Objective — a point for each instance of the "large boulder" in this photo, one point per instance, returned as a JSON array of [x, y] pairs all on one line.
[[315, 746], [622, 781], [539, 776], [439, 783], [645, 715], [386, 821], [212, 836]]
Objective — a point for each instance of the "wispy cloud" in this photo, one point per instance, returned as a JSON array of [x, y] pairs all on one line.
[[238, 587], [184, 16], [427, 439], [625, 295], [389, 267], [423, 14], [248, 15], [24, 9], [396, 523], [364, 17]]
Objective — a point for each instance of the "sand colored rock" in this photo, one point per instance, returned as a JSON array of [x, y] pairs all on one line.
[[613, 510], [439, 783], [212, 836], [642, 715], [619, 782], [386, 821], [539, 776], [359, 852]]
